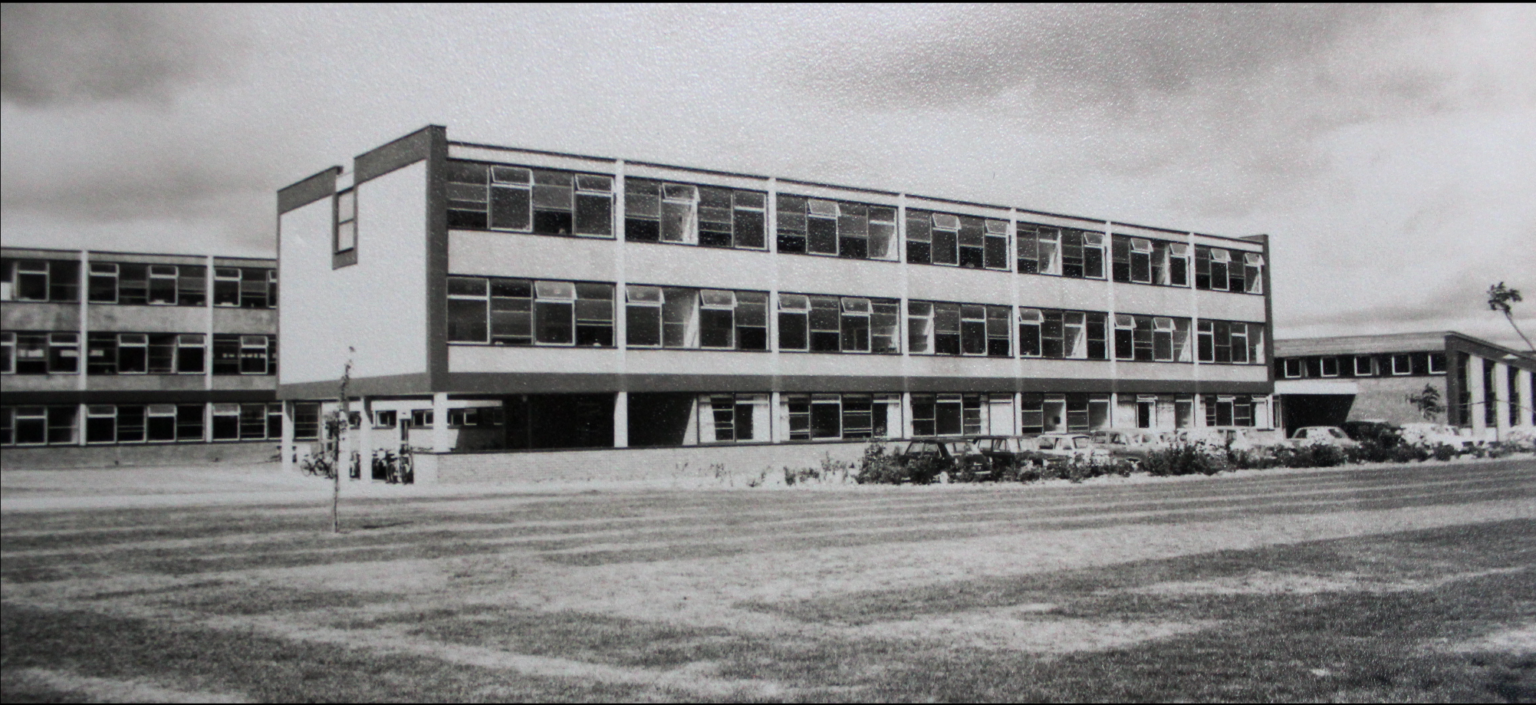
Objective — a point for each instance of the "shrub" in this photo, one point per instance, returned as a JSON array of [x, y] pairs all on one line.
[[1444, 451], [1185, 459], [877, 467]]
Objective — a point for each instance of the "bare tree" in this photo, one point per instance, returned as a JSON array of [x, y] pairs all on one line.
[[343, 423], [1499, 299], [1428, 403]]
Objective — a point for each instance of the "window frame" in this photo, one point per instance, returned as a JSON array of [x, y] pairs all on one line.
[[344, 239]]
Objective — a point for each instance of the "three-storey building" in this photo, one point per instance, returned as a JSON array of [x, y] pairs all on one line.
[[498, 298], [127, 356]]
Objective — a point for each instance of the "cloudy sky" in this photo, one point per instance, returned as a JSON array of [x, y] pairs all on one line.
[[1390, 151]]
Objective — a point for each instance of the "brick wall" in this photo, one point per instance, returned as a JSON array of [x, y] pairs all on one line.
[[738, 463], [60, 457]]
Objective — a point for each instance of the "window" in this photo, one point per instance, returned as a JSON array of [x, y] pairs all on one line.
[[226, 286], [594, 315], [1291, 367], [1030, 322], [919, 237], [192, 285], [7, 353], [1141, 261], [1253, 273], [254, 288], [1125, 343], [520, 312], [996, 247], [1177, 271], [346, 221], [1032, 413], [1039, 249], [1164, 332], [1330, 367], [102, 285], [997, 331], [517, 199], [836, 228], [1437, 363], [704, 215], [946, 329], [837, 324], [511, 309], [1212, 266], [132, 353], [39, 280], [642, 315], [226, 422], [919, 327], [717, 319], [958, 329], [1402, 364], [253, 355], [421, 418], [1074, 338], [190, 352], [973, 236], [1239, 342], [1364, 366], [1231, 342], [733, 418], [1082, 254], [31, 425], [553, 312], [840, 416], [226, 355]]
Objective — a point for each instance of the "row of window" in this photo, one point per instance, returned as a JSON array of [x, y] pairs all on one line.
[[138, 284], [737, 418], [527, 312], [1397, 365], [548, 202], [140, 423], [31, 353]]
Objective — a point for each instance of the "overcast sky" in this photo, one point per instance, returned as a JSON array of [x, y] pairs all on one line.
[[1390, 151]]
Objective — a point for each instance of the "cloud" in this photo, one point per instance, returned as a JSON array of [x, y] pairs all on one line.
[[52, 54]]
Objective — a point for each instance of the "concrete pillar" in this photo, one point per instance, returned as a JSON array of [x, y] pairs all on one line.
[[621, 420], [778, 424], [1479, 395], [365, 438], [1527, 399], [286, 445], [440, 422], [906, 414], [1018, 411], [1501, 392]]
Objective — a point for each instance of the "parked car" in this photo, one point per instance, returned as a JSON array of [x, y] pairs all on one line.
[[1133, 444], [924, 459], [1067, 447], [1234, 437], [1330, 435], [1433, 434], [1009, 455], [1385, 434]]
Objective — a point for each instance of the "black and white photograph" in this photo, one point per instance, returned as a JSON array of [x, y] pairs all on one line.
[[811, 353]]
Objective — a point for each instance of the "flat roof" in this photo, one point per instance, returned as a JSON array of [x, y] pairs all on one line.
[[1427, 341]]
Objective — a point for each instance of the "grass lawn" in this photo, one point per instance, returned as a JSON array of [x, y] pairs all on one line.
[[1404, 584]]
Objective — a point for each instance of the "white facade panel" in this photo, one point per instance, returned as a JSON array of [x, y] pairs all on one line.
[[490, 254], [1224, 306]]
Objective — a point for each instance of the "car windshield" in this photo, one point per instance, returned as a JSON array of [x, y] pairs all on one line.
[[1336, 433], [961, 447], [1046, 443]]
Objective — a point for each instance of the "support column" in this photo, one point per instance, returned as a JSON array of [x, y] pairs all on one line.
[[440, 422], [906, 415], [1527, 399], [1501, 392], [621, 420], [365, 438], [1477, 408], [285, 446], [778, 424]]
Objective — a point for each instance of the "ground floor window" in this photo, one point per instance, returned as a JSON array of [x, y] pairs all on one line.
[[1234, 410], [842, 416], [306, 421], [733, 418]]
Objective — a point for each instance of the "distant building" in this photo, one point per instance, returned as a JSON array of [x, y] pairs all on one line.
[[124, 358], [506, 299], [1326, 381]]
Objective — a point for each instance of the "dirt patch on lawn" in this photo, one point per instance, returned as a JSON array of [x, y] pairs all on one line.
[[113, 690], [1514, 640], [1269, 583], [1025, 629]]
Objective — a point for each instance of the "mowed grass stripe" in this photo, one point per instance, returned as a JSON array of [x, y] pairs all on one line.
[[297, 525], [651, 548], [529, 532]]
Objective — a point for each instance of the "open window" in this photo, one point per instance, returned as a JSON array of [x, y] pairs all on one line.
[[679, 214], [554, 309], [1220, 266], [996, 246], [733, 418], [1074, 334], [1253, 273], [717, 319], [1141, 261], [226, 286], [7, 353], [1125, 336], [1093, 255], [882, 232], [1178, 265], [253, 355], [853, 230], [794, 322], [919, 327], [162, 284], [946, 240], [511, 199], [821, 226], [973, 242], [1030, 322], [102, 286], [855, 324]]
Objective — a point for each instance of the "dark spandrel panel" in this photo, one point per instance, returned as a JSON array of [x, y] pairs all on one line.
[[793, 332], [642, 230], [749, 229], [791, 243], [711, 235], [751, 199], [752, 338], [919, 252], [466, 219], [594, 336], [543, 177], [552, 197], [971, 257], [711, 197], [467, 172], [519, 288], [552, 222]]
